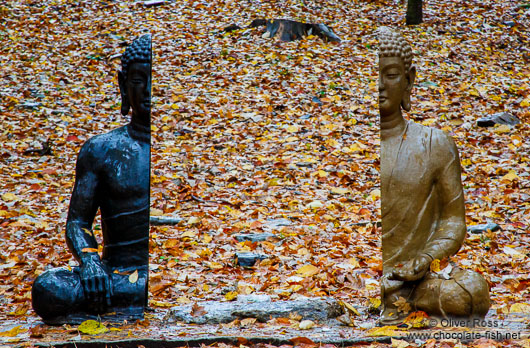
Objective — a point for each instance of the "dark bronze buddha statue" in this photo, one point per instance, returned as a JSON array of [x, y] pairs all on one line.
[[112, 175], [422, 202]]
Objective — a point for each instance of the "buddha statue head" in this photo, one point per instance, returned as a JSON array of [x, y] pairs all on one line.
[[135, 80], [396, 72]]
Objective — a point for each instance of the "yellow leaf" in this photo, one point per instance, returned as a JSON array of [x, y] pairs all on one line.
[[375, 302], [328, 217], [155, 212], [295, 287], [435, 266], [274, 182], [245, 289], [8, 197], [474, 92], [248, 321], [511, 176], [353, 261], [21, 310], [399, 343], [292, 129], [214, 265], [207, 238], [520, 308], [321, 173], [332, 143], [183, 300], [161, 304], [418, 319], [525, 102], [349, 307], [307, 271], [89, 250], [133, 278], [353, 148], [502, 129], [87, 231], [383, 331], [189, 234], [13, 332], [92, 327], [375, 194], [193, 220], [339, 190], [232, 295]]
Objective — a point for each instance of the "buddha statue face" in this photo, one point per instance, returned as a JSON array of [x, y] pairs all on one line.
[[135, 80], [395, 85], [138, 90], [396, 74]]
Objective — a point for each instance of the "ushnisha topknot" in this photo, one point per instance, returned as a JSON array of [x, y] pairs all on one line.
[[392, 44], [139, 51]]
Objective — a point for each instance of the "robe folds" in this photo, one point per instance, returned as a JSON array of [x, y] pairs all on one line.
[[422, 203]]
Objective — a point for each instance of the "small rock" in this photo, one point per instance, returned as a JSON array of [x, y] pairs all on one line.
[[345, 319], [248, 259], [306, 325], [154, 3], [164, 220], [510, 24], [498, 118], [253, 237], [317, 100], [30, 105], [315, 205], [483, 228], [304, 164], [273, 223], [231, 28]]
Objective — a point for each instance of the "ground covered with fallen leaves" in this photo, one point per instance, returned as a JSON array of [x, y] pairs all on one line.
[[254, 135]]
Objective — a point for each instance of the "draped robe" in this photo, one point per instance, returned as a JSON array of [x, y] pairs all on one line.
[[422, 203]]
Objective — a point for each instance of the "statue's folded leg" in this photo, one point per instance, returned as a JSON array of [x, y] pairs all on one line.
[[127, 293], [58, 296], [465, 294], [57, 292]]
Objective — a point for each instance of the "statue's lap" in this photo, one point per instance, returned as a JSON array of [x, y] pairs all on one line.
[[58, 291]]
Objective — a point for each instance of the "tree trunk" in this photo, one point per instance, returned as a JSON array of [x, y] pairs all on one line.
[[414, 12]]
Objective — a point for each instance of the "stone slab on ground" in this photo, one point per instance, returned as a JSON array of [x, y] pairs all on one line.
[[260, 307]]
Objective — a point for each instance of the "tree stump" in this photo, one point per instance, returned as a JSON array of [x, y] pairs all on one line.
[[414, 12], [288, 30]]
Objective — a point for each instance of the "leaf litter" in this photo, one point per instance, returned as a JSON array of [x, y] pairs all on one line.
[[247, 130]]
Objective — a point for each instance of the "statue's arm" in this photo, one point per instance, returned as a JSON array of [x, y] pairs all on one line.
[[83, 208], [451, 229]]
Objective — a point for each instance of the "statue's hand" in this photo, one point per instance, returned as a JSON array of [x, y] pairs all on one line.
[[413, 269], [96, 283]]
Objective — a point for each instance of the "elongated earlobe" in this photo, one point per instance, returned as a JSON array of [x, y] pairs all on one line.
[[405, 101], [125, 106]]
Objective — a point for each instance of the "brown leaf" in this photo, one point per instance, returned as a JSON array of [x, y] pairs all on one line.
[[197, 310]]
